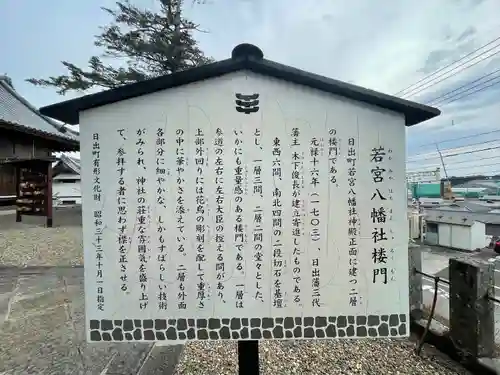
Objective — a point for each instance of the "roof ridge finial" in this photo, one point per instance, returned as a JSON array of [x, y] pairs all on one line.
[[247, 51], [7, 80]]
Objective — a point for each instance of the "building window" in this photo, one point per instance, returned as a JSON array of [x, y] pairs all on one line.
[[432, 228]]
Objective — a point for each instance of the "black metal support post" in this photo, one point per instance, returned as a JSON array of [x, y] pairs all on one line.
[[248, 357]]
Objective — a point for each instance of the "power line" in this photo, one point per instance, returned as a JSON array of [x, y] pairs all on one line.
[[436, 99], [472, 93], [457, 148], [458, 138], [456, 154], [447, 66], [476, 166], [478, 159], [434, 166], [453, 169], [463, 92], [413, 92], [480, 173]]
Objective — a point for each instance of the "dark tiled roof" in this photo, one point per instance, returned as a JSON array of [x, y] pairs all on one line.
[[244, 57], [18, 114], [71, 163]]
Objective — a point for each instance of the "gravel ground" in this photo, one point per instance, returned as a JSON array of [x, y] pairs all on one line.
[[31, 244], [322, 357]]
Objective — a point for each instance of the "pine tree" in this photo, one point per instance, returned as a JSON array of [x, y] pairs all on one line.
[[147, 44]]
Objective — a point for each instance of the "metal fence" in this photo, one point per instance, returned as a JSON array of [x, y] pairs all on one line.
[[437, 280]]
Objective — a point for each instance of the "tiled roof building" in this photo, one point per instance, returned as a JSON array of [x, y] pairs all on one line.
[[26, 134]]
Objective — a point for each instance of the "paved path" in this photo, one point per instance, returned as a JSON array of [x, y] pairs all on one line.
[[42, 330], [42, 322], [62, 216]]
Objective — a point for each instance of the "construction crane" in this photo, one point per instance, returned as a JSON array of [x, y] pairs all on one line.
[[447, 189]]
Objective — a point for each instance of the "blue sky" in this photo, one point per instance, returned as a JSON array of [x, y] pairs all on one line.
[[385, 48]]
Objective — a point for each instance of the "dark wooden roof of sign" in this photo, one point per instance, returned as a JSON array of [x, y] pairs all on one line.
[[244, 57]]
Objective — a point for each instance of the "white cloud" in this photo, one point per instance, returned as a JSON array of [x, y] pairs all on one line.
[[383, 45], [461, 161], [385, 48]]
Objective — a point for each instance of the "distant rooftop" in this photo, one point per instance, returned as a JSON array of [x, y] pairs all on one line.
[[18, 114], [438, 213], [474, 206], [71, 163], [450, 217], [487, 184]]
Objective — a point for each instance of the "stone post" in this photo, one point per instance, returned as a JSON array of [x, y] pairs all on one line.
[[416, 297], [472, 323]]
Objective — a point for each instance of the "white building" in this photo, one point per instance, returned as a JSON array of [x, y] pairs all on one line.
[[454, 229], [415, 223], [66, 181]]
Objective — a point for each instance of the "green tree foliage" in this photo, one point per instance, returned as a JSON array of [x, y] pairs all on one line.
[[140, 44]]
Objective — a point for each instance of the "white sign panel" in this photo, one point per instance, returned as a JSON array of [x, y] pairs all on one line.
[[424, 176], [215, 217]]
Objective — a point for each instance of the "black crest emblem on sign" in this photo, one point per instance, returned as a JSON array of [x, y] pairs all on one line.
[[247, 103]]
